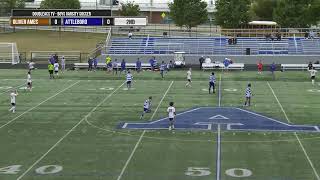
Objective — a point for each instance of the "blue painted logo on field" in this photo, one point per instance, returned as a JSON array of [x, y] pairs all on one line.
[[231, 119]]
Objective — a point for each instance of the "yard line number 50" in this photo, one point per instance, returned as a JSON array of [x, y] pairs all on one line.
[[205, 171], [48, 169]]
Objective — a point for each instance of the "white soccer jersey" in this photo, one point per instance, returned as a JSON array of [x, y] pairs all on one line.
[[313, 72], [146, 104], [13, 97], [129, 77], [248, 92], [56, 66], [31, 65], [63, 61], [171, 111], [29, 80], [189, 75]]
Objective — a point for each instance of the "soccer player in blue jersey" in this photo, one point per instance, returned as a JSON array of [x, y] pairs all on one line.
[[212, 81], [123, 66], [162, 68], [129, 80], [248, 95], [146, 106]]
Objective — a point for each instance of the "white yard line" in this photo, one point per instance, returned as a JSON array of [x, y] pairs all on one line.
[[296, 135], [14, 119], [141, 136], [63, 137], [219, 153], [220, 91]]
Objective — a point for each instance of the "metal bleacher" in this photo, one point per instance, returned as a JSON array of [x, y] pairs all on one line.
[[214, 46]]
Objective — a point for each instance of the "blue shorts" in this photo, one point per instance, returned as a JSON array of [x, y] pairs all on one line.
[[145, 109]]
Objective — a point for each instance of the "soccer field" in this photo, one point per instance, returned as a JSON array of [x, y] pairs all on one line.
[[86, 126]]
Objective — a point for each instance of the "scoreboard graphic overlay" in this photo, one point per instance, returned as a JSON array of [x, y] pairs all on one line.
[[65, 17]]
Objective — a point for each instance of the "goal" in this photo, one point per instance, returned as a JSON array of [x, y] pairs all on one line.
[[9, 53]]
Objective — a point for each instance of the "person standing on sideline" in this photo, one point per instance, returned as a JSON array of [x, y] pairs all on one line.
[[189, 78], [90, 62], [151, 61], [313, 73], [31, 65], [13, 96], [95, 64], [129, 79], [50, 69], [273, 68], [260, 66], [162, 68], [108, 59], [56, 68], [115, 67], [201, 60], [171, 114], [248, 95], [310, 66], [123, 66], [63, 64], [212, 81], [130, 35], [29, 81], [138, 65]]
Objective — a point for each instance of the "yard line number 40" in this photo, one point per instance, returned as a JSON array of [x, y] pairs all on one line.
[[204, 171], [48, 169]]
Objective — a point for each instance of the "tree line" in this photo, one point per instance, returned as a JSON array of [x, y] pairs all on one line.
[[228, 14]]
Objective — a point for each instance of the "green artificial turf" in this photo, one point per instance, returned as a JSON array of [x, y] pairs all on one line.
[[66, 129]]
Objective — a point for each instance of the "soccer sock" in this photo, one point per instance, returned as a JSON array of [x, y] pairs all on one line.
[[312, 82], [13, 109]]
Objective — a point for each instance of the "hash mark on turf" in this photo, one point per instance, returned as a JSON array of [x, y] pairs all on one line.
[[140, 138]]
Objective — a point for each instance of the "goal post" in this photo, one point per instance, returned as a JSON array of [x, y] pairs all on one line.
[[9, 53]]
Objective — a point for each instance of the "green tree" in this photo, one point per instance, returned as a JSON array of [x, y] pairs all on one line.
[[263, 9], [297, 13], [189, 13], [129, 9], [232, 13], [60, 4], [7, 5]]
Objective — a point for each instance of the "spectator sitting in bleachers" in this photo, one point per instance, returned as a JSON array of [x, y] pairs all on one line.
[[278, 35]]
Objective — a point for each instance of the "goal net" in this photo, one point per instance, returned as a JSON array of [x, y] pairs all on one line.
[[9, 53]]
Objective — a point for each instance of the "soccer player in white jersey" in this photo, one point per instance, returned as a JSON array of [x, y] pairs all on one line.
[[212, 81], [313, 73], [171, 114], [248, 95], [29, 81], [63, 64], [129, 80], [146, 106], [13, 96], [189, 78], [56, 68]]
